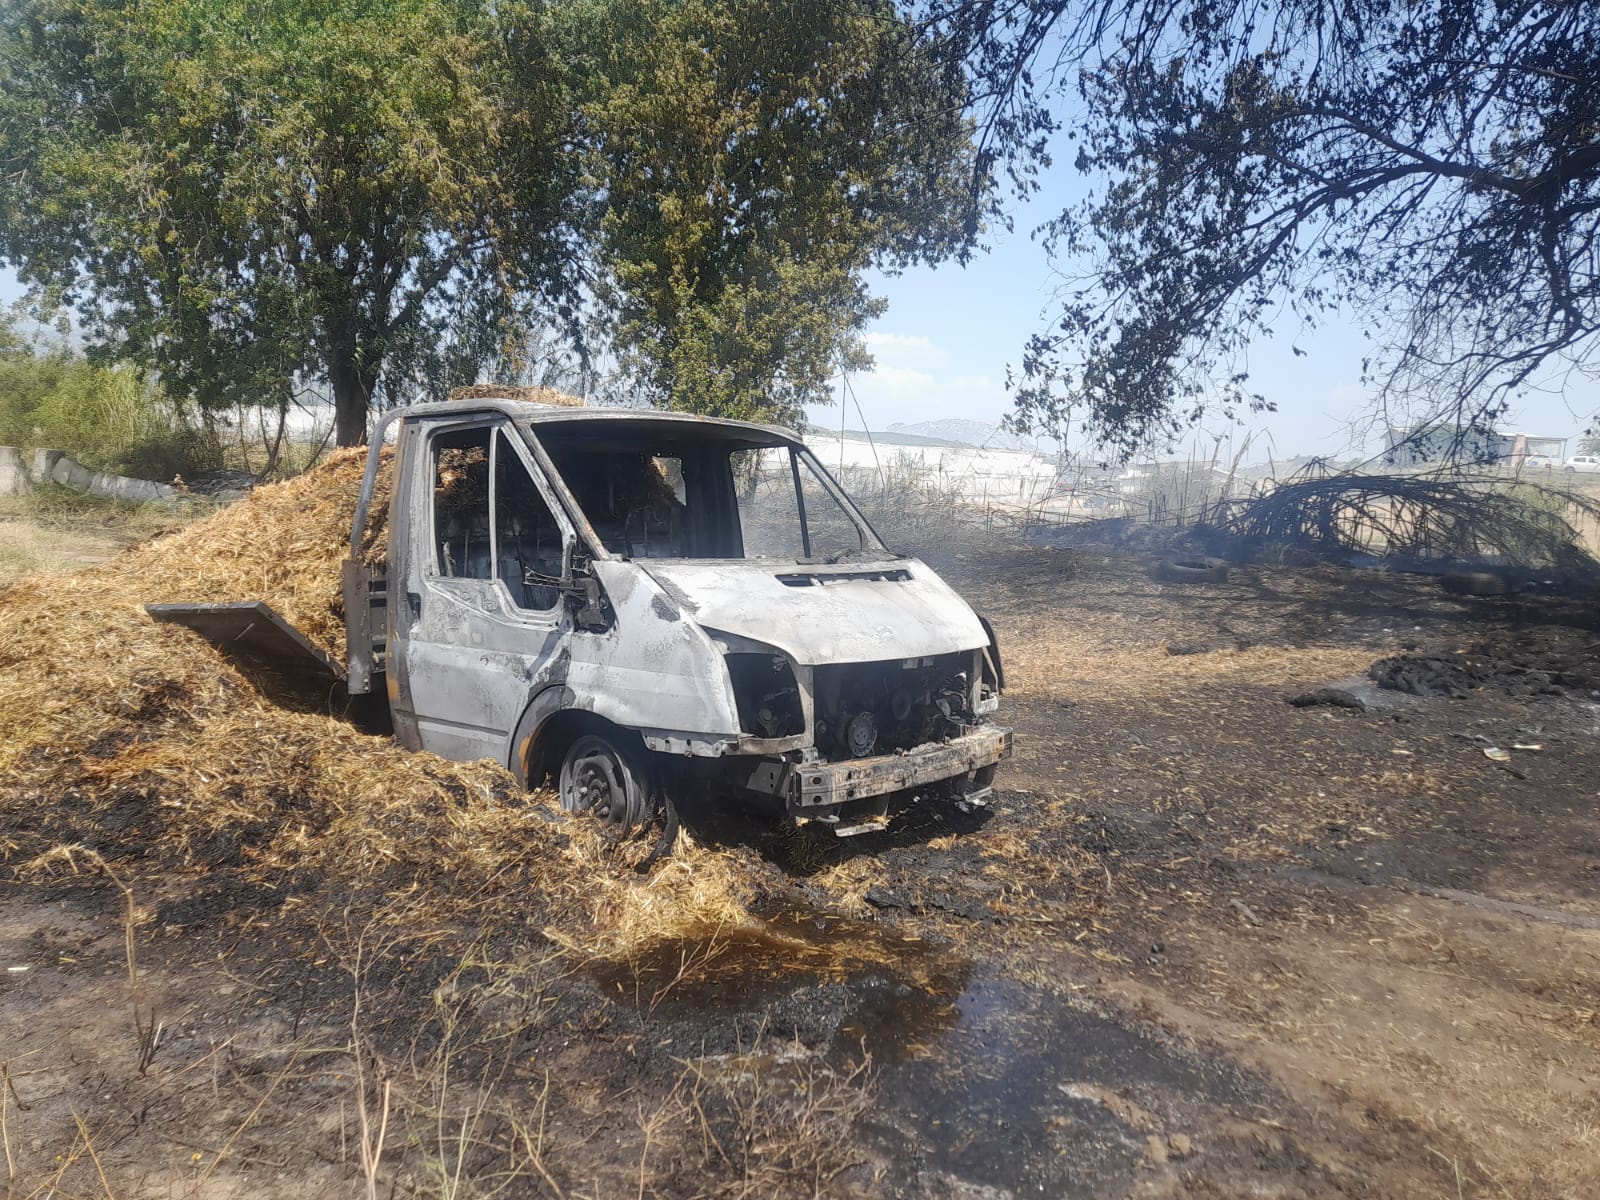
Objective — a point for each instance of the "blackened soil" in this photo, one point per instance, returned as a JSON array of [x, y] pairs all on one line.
[[1205, 943]]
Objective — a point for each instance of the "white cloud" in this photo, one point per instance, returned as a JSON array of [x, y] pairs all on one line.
[[915, 378], [910, 383], [893, 344], [897, 380]]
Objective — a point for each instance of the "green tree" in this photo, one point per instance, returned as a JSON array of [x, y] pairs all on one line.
[[1433, 169], [750, 161], [246, 193]]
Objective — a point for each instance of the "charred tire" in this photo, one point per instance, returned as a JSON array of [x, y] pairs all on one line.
[[603, 776], [1475, 583], [1191, 570], [671, 823]]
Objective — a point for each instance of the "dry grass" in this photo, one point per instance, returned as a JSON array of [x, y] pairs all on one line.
[[1053, 660], [699, 892], [743, 1126], [53, 530], [506, 391], [28, 548]]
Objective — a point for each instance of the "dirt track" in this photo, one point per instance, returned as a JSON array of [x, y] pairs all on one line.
[[1206, 944]]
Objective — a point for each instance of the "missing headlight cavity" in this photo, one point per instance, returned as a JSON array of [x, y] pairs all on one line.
[[767, 695], [881, 707]]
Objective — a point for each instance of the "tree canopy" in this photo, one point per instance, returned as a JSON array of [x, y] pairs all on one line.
[[751, 160], [244, 193], [1432, 169], [387, 196]]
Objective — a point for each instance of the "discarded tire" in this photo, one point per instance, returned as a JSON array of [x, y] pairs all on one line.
[[1191, 570], [1475, 583]]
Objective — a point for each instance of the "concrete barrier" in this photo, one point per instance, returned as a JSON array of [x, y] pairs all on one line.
[[70, 473], [42, 463], [14, 480], [19, 475]]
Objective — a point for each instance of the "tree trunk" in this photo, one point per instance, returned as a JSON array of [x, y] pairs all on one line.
[[352, 396]]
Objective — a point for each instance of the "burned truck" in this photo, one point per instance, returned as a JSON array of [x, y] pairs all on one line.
[[633, 603]]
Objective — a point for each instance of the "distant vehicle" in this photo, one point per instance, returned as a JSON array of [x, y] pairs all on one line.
[[1583, 462]]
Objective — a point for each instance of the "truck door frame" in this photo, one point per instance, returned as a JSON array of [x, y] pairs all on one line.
[[480, 660]]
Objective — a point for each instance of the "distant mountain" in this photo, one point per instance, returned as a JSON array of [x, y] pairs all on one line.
[[966, 433]]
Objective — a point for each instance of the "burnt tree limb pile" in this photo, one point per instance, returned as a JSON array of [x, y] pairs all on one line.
[[1420, 520]]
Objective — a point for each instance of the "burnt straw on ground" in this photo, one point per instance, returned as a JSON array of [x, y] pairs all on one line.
[[1178, 958]]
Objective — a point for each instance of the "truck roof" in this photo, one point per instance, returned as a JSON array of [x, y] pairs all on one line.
[[561, 414]]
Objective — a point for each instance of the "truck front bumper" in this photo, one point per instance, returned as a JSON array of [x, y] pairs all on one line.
[[810, 786]]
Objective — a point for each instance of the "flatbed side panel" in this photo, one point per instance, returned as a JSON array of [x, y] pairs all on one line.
[[366, 599], [357, 627], [251, 633]]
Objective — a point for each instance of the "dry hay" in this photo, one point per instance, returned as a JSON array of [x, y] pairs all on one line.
[[527, 395], [143, 743], [283, 544]]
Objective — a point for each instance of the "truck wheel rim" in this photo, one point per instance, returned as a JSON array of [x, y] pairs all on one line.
[[595, 779]]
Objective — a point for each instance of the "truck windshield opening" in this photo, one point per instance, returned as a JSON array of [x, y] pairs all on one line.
[[705, 497]]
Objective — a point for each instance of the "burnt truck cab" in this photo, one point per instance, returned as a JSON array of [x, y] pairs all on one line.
[[629, 601]]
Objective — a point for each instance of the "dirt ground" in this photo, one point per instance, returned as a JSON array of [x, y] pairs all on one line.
[[1206, 943], [52, 533], [26, 547]]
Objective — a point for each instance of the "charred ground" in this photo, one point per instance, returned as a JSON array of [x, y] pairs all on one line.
[[1206, 943]]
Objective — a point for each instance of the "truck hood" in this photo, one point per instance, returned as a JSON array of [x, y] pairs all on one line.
[[818, 615]]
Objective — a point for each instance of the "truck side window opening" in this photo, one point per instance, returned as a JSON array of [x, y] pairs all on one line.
[[528, 542], [461, 505]]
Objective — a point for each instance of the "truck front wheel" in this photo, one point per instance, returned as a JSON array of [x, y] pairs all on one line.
[[601, 777]]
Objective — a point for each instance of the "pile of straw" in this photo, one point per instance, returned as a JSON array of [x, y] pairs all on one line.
[[141, 742], [504, 391]]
